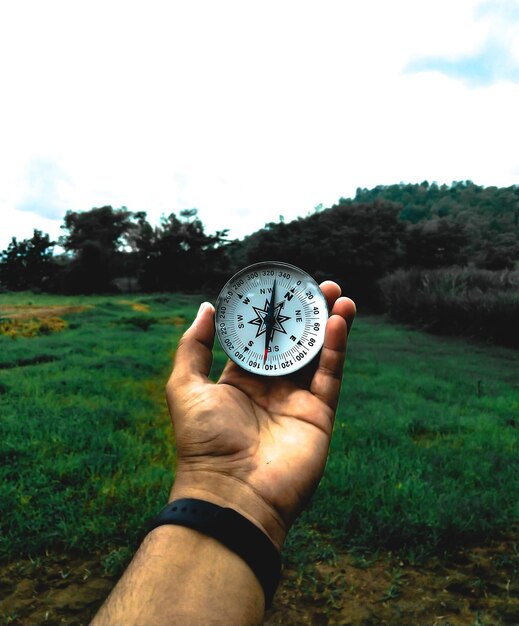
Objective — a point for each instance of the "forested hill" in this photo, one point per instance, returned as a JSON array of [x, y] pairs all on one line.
[[463, 201], [398, 226]]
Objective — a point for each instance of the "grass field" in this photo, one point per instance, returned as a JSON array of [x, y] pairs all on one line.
[[85, 445], [425, 453], [424, 458]]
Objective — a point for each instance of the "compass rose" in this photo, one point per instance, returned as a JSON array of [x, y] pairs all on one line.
[[261, 320]]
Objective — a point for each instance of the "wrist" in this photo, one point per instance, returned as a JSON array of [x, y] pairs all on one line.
[[229, 492], [232, 530]]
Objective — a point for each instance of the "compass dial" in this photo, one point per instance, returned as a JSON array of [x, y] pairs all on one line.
[[270, 318]]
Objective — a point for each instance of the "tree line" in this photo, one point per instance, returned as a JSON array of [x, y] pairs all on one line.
[[107, 250], [357, 242]]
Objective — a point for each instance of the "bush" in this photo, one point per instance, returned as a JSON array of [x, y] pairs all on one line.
[[456, 301], [139, 321]]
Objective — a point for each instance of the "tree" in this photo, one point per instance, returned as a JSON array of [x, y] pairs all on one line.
[[106, 226], [27, 264], [436, 243], [96, 239], [501, 253], [180, 255]]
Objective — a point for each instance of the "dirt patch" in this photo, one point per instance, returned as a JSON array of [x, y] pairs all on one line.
[[52, 590], [32, 321], [27, 311], [473, 586]]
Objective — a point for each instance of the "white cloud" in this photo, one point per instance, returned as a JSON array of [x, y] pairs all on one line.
[[494, 54], [44, 189], [244, 111]]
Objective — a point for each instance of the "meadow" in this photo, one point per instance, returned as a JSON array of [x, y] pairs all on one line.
[[424, 457]]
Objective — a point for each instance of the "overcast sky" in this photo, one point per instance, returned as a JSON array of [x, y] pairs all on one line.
[[248, 110]]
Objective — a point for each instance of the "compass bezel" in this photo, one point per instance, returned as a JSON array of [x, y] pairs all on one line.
[[223, 301]]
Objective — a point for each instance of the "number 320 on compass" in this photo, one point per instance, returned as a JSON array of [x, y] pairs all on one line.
[[271, 318]]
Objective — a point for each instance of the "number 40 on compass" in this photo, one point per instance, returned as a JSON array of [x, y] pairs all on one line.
[[270, 318]]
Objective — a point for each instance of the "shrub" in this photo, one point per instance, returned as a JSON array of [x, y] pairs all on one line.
[[139, 321], [456, 301]]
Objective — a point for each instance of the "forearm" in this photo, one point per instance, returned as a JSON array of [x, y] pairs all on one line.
[[165, 584]]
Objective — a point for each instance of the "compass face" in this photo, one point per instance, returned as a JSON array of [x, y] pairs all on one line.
[[270, 318]]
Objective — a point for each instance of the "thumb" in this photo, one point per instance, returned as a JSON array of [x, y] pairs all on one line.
[[195, 350]]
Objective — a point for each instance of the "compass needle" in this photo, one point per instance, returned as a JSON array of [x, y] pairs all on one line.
[[270, 322], [286, 321]]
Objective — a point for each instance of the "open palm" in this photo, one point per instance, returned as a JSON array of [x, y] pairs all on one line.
[[257, 444]]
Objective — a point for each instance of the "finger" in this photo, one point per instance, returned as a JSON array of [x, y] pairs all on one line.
[[195, 350], [327, 379], [345, 307], [331, 292]]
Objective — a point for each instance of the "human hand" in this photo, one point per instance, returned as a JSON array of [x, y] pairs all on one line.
[[253, 443]]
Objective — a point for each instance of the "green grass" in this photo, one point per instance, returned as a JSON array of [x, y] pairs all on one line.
[[86, 450], [425, 453]]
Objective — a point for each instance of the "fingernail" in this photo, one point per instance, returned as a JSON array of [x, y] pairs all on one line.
[[202, 308], [198, 313]]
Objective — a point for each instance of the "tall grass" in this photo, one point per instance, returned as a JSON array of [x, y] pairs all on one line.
[[456, 301]]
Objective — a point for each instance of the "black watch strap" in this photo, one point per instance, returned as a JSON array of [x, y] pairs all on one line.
[[234, 531]]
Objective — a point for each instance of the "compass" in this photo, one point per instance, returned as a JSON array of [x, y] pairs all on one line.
[[270, 318]]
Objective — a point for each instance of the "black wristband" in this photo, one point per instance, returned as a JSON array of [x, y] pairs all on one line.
[[233, 530]]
